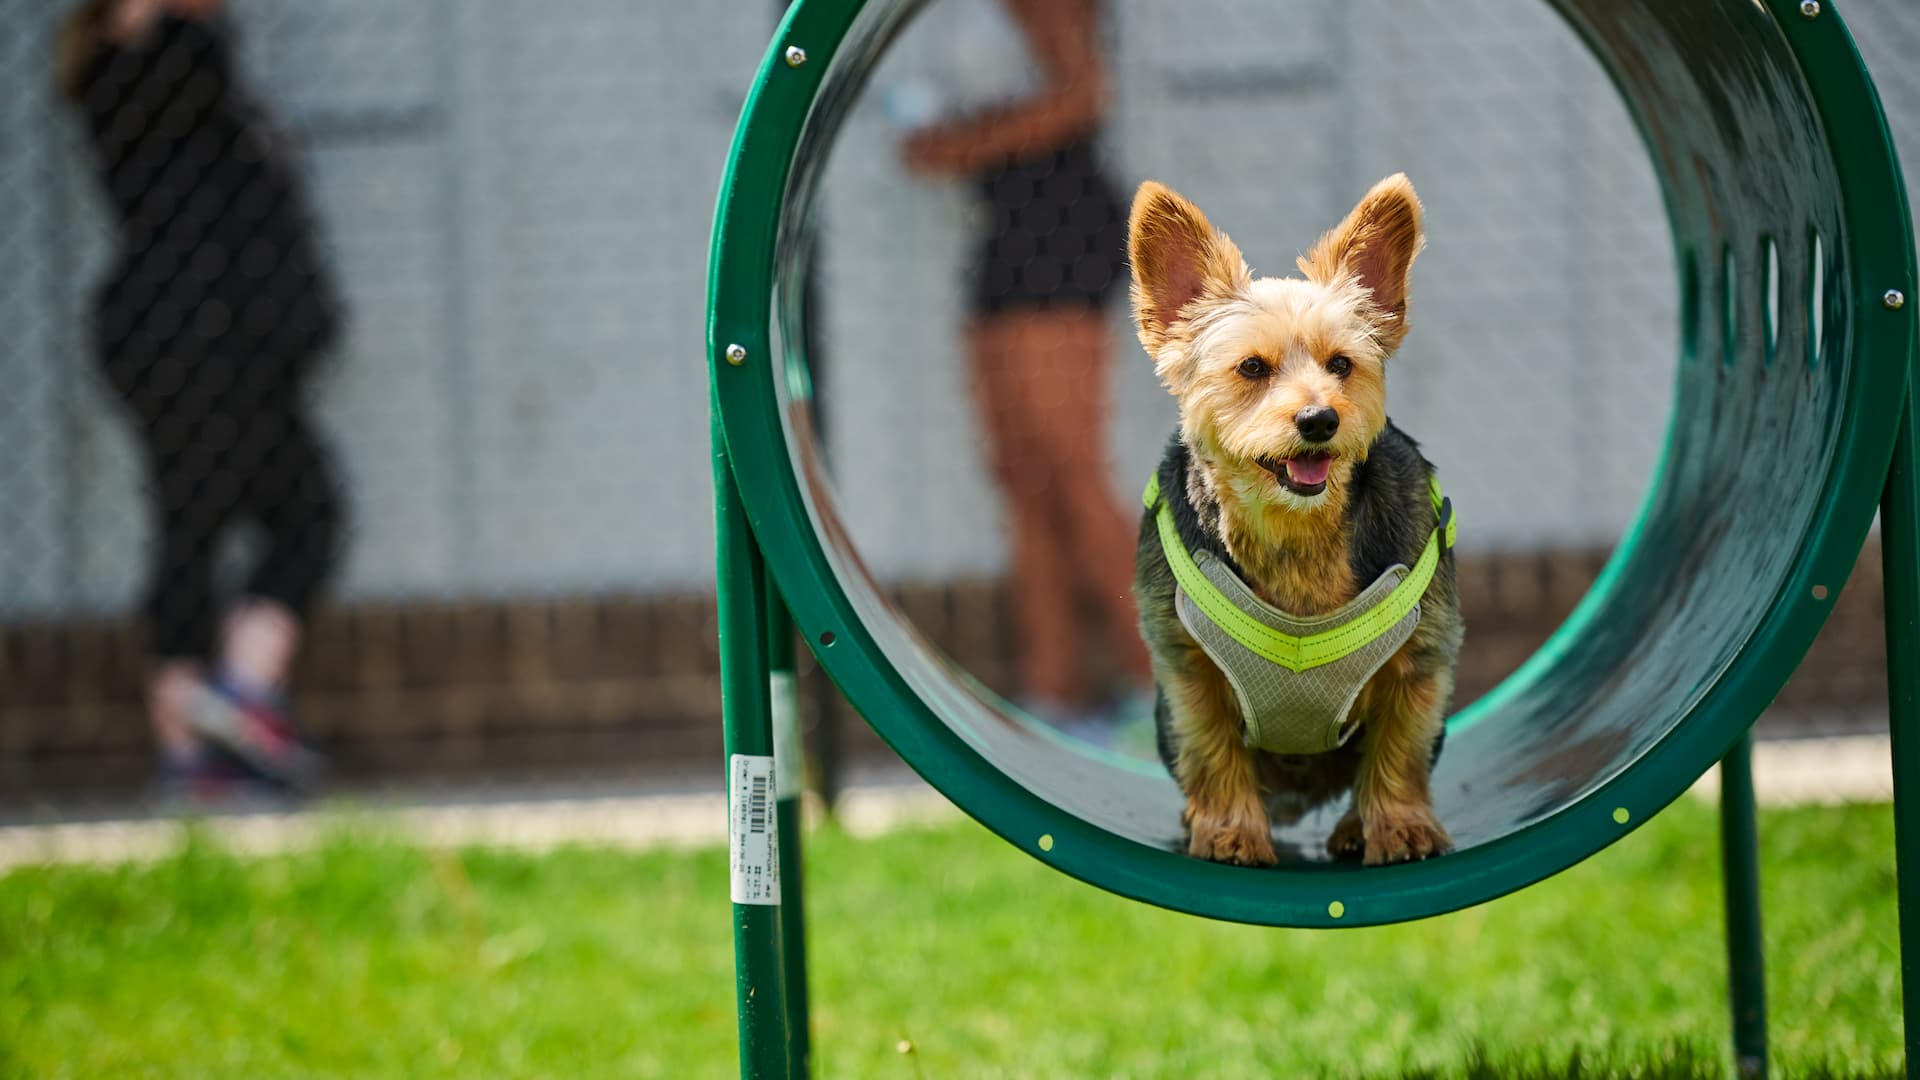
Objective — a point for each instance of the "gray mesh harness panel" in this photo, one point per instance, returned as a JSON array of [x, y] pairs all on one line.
[[1294, 712]]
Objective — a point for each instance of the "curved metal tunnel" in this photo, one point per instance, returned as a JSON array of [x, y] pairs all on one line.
[[1770, 150]]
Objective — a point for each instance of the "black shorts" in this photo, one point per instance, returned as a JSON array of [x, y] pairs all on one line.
[[1055, 233]]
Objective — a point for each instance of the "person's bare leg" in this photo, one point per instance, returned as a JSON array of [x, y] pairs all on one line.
[[1064, 357], [257, 646], [173, 688], [1045, 631]]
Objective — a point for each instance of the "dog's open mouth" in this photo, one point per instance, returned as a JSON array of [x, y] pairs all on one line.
[[1302, 475]]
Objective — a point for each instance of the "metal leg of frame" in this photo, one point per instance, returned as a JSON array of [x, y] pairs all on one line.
[[784, 696], [1740, 871], [760, 977], [1900, 557]]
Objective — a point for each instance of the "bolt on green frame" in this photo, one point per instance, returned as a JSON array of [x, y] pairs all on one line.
[[1632, 679]]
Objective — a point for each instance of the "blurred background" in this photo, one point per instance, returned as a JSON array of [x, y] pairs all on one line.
[[509, 204]]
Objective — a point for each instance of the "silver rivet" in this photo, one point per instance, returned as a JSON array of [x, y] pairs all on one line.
[[797, 55], [1810, 8], [736, 355], [1894, 299]]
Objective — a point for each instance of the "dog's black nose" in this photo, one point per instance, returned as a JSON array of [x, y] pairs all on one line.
[[1317, 423]]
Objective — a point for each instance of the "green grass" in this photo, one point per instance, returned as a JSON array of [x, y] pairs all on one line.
[[375, 959]]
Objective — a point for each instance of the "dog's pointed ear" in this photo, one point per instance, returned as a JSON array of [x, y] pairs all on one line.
[[1376, 246], [1177, 257]]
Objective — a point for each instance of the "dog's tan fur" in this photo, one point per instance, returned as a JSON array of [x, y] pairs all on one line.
[[1201, 312]]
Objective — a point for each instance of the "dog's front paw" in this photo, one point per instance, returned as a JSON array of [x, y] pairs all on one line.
[[1242, 840], [1403, 834], [1349, 839]]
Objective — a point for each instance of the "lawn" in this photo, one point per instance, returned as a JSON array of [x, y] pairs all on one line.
[[371, 958]]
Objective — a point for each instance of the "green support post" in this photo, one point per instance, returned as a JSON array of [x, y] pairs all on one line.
[[1900, 557], [783, 693], [760, 978], [1740, 873]]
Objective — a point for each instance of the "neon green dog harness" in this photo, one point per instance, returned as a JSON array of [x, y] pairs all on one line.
[[1297, 679]]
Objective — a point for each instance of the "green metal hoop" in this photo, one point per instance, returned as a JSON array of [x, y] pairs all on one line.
[[1803, 98]]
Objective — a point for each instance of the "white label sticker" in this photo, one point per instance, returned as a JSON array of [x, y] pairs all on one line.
[[788, 765], [751, 832]]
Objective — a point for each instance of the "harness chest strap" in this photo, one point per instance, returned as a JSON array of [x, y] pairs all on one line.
[[1296, 679]]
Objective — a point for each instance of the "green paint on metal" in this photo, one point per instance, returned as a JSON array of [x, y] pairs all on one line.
[[1631, 678], [1740, 877], [1900, 558], [787, 814], [760, 977]]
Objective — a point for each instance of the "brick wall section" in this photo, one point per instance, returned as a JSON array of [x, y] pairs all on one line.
[[631, 683]]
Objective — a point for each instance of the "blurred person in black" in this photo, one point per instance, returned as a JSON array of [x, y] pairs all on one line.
[[211, 316]]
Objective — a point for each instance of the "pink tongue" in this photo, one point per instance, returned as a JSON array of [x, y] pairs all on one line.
[[1309, 470]]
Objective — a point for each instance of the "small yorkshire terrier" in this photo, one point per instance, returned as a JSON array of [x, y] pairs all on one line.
[[1304, 507]]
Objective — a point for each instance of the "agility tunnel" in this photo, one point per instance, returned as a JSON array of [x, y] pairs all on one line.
[[1794, 254]]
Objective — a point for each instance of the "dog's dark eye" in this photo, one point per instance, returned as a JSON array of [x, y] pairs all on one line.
[[1254, 368], [1340, 366]]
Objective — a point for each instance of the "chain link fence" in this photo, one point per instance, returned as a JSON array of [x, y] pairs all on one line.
[[485, 441]]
